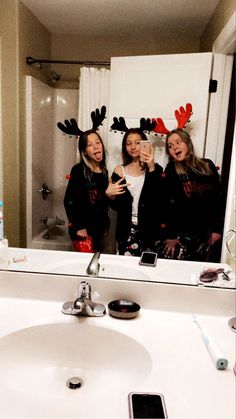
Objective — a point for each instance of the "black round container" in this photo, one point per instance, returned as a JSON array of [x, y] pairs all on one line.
[[123, 309]]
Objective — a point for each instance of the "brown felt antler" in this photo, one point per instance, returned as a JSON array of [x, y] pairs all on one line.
[[120, 125], [70, 127], [147, 125], [98, 117]]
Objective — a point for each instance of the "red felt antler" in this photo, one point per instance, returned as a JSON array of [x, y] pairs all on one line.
[[160, 127], [182, 117]]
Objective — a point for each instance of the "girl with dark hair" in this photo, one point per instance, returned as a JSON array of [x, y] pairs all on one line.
[[137, 216], [87, 195], [193, 212]]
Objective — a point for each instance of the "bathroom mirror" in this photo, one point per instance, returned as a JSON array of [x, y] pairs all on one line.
[[47, 228], [43, 187]]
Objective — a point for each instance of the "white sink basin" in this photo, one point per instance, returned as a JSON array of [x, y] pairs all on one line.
[[36, 362], [115, 270]]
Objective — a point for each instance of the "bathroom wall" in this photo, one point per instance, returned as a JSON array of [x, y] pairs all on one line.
[[220, 17], [50, 154]]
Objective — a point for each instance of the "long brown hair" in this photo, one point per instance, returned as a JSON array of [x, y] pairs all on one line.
[[191, 161]]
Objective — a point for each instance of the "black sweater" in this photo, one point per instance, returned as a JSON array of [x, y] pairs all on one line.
[[148, 209], [193, 203], [86, 203]]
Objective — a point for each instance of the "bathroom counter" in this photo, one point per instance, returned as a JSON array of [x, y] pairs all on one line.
[[180, 367], [126, 267]]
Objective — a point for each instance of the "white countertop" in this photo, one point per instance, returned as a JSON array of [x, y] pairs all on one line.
[[115, 266], [182, 369]]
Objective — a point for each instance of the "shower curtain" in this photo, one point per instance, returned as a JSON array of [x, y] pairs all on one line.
[[93, 93]]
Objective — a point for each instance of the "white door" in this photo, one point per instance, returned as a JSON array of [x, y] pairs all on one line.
[[155, 86]]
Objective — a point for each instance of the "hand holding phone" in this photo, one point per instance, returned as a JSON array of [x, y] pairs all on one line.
[[145, 148]]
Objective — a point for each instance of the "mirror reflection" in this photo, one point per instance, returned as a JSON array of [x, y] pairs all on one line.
[[50, 157], [47, 216], [49, 180]]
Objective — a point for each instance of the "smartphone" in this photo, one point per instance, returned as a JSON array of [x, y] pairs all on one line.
[[147, 406], [145, 146], [148, 259]]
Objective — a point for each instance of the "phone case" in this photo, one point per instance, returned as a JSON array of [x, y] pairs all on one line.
[[159, 414], [145, 146], [145, 255]]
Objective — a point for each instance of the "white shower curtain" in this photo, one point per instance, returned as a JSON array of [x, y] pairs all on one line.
[[93, 93]]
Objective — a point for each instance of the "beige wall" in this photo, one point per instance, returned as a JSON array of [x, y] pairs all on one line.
[[79, 48], [220, 17], [34, 40], [10, 117], [23, 35]]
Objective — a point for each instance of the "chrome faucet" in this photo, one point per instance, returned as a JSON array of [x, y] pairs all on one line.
[[94, 265], [83, 305]]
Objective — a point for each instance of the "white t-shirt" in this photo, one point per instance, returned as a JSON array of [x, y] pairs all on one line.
[[135, 188]]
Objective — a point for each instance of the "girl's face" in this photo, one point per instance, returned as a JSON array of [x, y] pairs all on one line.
[[133, 145], [94, 148], [177, 148]]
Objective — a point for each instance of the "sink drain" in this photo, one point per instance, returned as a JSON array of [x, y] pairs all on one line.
[[74, 383]]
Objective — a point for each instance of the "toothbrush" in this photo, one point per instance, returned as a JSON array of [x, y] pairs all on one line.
[[218, 359]]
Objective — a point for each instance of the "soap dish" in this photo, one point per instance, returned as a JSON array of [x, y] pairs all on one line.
[[123, 309]]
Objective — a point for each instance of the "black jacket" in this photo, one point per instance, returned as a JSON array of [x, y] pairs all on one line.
[[193, 203], [148, 209], [86, 203]]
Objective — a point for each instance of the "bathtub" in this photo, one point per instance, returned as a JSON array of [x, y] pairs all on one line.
[[58, 240]]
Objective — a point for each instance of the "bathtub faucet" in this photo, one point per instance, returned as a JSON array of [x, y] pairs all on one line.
[[83, 305], [94, 265]]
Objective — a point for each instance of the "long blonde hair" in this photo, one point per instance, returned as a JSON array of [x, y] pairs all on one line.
[[191, 161]]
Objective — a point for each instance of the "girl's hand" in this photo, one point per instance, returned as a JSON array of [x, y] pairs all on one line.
[[148, 158], [170, 246], [82, 233], [116, 188], [214, 237]]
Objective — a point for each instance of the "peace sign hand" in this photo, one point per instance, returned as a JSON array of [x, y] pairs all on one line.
[[116, 188]]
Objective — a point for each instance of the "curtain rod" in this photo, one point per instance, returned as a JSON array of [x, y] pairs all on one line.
[[30, 60]]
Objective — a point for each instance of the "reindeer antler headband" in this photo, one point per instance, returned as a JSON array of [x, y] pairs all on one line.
[[146, 125], [70, 127], [182, 116], [156, 125]]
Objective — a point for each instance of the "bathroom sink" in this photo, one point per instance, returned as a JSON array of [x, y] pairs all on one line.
[[107, 270], [36, 363]]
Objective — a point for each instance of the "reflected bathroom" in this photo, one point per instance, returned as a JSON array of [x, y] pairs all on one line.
[[49, 160]]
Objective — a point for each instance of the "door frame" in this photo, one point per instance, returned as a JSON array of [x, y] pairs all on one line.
[[223, 49]]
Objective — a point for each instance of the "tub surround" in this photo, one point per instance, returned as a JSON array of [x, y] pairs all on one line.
[[177, 363], [58, 241], [46, 149]]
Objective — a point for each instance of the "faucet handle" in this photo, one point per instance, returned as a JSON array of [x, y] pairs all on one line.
[[84, 290]]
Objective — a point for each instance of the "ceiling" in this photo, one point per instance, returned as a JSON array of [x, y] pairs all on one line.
[[123, 17]]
